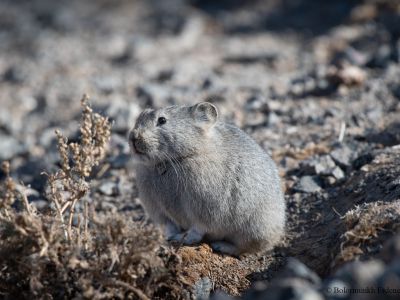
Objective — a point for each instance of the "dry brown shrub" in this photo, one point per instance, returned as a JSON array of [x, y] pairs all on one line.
[[70, 184], [367, 226], [124, 260]]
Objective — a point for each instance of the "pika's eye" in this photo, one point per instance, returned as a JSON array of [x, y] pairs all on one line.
[[161, 121]]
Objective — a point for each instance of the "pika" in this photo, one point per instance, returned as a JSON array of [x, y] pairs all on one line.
[[206, 180]]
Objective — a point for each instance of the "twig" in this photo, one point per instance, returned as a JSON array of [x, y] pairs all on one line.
[[65, 206], [79, 238], [336, 212], [25, 201], [86, 225], [71, 215], [342, 131], [103, 170], [58, 207]]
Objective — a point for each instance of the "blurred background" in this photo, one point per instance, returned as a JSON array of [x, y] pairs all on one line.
[[284, 70], [272, 67]]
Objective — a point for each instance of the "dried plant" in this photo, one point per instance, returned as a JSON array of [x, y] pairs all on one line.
[[70, 184], [124, 261], [367, 226], [8, 197], [10, 193]]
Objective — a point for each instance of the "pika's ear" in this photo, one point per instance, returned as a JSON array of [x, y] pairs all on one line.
[[205, 112]]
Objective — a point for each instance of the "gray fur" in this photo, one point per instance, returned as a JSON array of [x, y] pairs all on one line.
[[203, 179]]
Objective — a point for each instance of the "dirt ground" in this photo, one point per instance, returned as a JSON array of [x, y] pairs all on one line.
[[316, 83]]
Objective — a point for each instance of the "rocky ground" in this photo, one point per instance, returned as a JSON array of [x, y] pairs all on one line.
[[316, 83]]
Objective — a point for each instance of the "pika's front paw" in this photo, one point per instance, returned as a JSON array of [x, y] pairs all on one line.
[[226, 248], [190, 237], [171, 230]]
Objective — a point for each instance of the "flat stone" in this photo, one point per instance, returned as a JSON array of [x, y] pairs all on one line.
[[109, 189], [325, 165], [296, 269], [342, 156], [307, 184], [338, 173], [202, 288]]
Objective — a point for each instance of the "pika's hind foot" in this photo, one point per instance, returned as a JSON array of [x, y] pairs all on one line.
[[225, 248], [190, 237]]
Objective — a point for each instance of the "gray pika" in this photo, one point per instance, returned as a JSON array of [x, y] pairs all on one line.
[[203, 179]]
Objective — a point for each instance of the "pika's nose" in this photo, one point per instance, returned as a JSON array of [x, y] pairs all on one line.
[[137, 142]]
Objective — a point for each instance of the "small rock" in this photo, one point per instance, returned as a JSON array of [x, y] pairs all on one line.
[[289, 163], [362, 160], [381, 58], [256, 291], [391, 249], [360, 274], [393, 185], [115, 46], [395, 88], [293, 289], [296, 269], [120, 161], [153, 94], [123, 59], [165, 75], [325, 165], [129, 207], [352, 56], [307, 184], [320, 165], [330, 180], [121, 152], [342, 156], [29, 171], [273, 119], [220, 295], [207, 83], [47, 137], [9, 147], [109, 189], [348, 75], [123, 113], [40, 204], [108, 206], [202, 288], [15, 75], [257, 102], [390, 136], [338, 173]]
